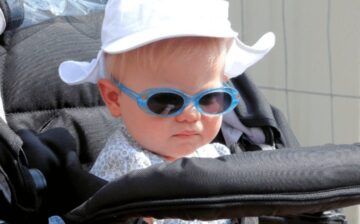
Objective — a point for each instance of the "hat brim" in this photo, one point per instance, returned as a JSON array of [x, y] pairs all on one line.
[[239, 58], [78, 72]]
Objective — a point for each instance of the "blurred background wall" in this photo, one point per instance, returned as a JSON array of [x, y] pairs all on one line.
[[313, 72]]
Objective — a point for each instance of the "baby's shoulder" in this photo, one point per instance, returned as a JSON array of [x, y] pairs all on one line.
[[221, 149]]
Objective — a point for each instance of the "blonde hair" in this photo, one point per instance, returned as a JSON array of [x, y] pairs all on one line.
[[153, 55]]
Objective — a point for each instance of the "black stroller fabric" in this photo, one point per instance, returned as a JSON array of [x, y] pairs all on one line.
[[277, 183], [259, 183], [289, 181]]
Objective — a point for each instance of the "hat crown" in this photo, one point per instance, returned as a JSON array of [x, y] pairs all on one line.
[[126, 17], [130, 24]]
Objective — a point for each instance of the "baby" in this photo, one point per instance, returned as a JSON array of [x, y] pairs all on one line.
[[162, 69], [170, 96]]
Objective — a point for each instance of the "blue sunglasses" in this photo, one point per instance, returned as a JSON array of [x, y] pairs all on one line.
[[169, 102]]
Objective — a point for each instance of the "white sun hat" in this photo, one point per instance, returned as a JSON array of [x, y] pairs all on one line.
[[130, 24]]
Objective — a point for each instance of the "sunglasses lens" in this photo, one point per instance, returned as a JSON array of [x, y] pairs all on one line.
[[215, 103], [165, 103]]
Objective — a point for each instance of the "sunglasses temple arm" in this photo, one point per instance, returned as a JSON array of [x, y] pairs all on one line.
[[126, 90]]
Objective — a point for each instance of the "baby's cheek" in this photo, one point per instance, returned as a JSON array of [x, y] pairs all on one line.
[[152, 134], [211, 126]]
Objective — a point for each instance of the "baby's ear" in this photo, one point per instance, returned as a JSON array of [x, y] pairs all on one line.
[[110, 94], [225, 78]]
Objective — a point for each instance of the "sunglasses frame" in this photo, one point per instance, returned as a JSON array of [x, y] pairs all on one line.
[[142, 98]]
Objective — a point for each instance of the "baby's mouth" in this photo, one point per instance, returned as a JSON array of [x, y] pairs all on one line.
[[185, 134]]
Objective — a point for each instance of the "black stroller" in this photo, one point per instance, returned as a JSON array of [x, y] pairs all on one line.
[[50, 132]]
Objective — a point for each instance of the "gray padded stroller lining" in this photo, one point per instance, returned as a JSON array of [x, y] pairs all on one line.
[[33, 94]]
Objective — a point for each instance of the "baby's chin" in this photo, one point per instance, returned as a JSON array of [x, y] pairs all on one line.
[[179, 153], [173, 150]]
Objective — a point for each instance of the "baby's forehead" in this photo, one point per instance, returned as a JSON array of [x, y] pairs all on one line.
[[188, 75], [169, 54], [182, 47]]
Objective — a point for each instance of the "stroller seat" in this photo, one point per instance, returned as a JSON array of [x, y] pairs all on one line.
[[53, 132]]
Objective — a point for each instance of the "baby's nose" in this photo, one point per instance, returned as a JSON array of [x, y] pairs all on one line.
[[189, 114]]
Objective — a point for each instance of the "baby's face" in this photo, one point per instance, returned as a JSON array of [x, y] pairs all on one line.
[[172, 137]]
